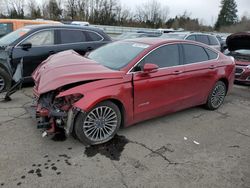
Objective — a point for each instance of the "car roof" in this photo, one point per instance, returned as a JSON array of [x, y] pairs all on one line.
[[48, 26], [161, 41]]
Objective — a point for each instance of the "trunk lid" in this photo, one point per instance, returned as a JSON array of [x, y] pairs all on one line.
[[238, 41]]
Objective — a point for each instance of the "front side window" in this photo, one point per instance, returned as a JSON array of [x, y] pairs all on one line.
[[194, 54], [72, 36], [42, 38], [202, 39], [165, 56]]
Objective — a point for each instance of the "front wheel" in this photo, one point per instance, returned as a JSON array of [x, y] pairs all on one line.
[[99, 125], [216, 96]]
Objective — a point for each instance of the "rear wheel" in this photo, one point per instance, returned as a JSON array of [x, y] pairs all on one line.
[[5, 80], [216, 96], [99, 125]]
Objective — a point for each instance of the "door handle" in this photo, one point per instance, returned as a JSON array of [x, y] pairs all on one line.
[[177, 72], [211, 67]]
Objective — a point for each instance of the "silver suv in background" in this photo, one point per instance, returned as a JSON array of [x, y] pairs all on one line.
[[208, 39]]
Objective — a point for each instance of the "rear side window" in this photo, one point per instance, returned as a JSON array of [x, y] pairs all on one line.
[[72, 36], [191, 37], [213, 40], [194, 54], [202, 39], [211, 54], [166, 56], [93, 36]]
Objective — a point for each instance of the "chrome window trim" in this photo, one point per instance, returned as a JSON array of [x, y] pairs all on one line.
[[47, 29], [130, 70]]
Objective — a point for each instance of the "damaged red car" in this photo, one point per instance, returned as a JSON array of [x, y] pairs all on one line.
[[239, 47], [126, 82]]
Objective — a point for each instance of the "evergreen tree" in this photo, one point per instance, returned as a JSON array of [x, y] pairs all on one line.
[[228, 14]]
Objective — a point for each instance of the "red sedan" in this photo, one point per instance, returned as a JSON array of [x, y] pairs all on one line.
[[126, 82]]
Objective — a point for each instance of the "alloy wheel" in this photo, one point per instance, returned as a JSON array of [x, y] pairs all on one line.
[[100, 123], [218, 95]]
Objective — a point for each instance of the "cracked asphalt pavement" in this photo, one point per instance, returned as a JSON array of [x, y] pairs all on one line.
[[191, 148]]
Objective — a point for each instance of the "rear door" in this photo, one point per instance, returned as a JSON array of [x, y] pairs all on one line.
[[200, 70], [81, 41], [159, 92]]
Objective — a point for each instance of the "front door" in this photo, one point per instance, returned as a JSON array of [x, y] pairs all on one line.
[[158, 92], [42, 46]]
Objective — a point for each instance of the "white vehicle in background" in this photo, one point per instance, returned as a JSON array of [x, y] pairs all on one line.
[[81, 23], [205, 38]]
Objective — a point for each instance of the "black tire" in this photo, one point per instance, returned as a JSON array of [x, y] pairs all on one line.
[[5, 80], [216, 96], [82, 119]]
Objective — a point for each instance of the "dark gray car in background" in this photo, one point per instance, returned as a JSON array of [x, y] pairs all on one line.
[[34, 44]]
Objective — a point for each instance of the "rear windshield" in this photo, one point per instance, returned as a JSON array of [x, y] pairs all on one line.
[[13, 36]]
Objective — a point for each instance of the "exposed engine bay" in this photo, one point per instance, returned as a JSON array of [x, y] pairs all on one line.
[[56, 114]]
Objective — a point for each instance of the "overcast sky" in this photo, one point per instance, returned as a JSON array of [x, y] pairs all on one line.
[[205, 10]]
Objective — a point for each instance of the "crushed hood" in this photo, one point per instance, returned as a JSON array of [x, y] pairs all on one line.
[[238, 41], [69, 67]]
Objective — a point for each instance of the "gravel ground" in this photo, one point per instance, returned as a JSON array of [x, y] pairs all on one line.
[[191, 148]]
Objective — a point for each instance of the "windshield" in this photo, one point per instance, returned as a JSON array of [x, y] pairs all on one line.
[[13, 36], [118, 54], [173, 36]]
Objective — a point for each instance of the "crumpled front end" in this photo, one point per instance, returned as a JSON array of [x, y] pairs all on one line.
[[56, 114]]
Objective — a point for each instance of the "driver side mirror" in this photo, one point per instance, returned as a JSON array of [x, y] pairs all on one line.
[[150, 68], [26, 46]]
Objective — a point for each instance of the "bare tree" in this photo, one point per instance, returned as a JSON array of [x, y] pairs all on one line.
[[34, 11], [52, 10], [15, 8], [71, 9], [152, 12]]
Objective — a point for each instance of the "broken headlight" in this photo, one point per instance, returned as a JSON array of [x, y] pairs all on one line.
[[64, 103]]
